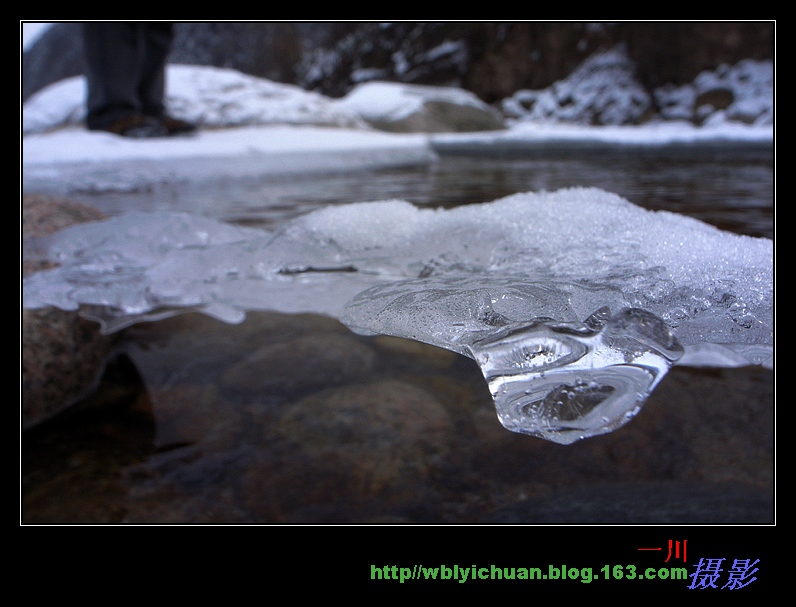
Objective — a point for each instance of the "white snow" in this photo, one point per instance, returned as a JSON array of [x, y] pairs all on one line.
[[604, 90], [75, 145], [751, 84], [245, 117], [388, 101], [211, 97], [601, 90]]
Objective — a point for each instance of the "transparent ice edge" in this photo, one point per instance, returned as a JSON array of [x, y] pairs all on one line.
[[567, 381], [727, 355]]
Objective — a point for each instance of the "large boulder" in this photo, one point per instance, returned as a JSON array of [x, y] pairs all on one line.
[[354, 447], [406, 108], [63, 354]]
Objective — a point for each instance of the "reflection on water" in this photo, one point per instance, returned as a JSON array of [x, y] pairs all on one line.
[[293, 419], [731, 189]]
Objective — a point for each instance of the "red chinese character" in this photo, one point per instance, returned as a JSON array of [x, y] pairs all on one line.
[[676, 550]]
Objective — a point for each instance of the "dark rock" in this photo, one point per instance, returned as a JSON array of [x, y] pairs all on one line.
[[716, 98], [187, 414], [63, 357], [375, 445], [301, 365], [386, 419], [265, 50], [676, 52]]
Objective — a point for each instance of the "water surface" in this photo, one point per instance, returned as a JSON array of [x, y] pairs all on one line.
[[730, 188]]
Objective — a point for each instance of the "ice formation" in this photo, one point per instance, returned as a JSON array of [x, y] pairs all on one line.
[[574, 303]]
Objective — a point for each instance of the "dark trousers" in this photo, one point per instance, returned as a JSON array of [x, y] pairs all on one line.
[[125, 70]]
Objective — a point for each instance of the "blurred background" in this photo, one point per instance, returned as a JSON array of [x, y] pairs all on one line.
[[492, 60]]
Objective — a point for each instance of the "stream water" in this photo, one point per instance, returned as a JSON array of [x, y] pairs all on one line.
[[294, 419]]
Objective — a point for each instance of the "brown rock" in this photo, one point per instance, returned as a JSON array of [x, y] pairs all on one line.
[[353, 448], [438, 116], [391, 421], [45, 214], [190, 414], [301, 365], [63, 355]]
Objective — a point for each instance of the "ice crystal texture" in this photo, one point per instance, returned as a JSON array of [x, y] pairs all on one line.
[[574, 303]]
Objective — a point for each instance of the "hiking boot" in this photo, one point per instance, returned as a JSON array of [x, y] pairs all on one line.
[[136, 127], [175, 126]]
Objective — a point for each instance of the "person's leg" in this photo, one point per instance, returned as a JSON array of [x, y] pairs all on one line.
[[156, 41], [112, 54]]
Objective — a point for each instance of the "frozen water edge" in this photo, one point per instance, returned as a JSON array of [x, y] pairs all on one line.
[[586, 314], [530, 137], [71, 160]]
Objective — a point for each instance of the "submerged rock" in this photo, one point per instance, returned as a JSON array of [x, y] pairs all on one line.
[[381, 434], [350, 449], [301, 365]]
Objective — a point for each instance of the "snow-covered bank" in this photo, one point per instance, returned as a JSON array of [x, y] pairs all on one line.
[[251, 126], [209, 96], [603, 90], [73, 159], [528, 136], [254, 127]]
